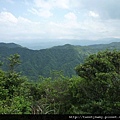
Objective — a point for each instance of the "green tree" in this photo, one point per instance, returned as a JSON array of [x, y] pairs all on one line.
[[14, 60], [98, 92], [14, 94], [50, 95]]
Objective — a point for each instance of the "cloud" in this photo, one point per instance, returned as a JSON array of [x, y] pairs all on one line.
[[43, 4], [22, 28], [49, 4], [41, 12], [64, 4], [6, 17], [106, 9], [18, 28], [71, 16], [44, 8], [61, 19], [93, 14]]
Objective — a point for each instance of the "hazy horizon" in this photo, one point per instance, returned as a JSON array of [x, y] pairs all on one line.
[[36, 44]]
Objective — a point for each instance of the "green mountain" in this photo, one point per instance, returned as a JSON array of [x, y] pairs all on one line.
[[9, 45], [42, 62]]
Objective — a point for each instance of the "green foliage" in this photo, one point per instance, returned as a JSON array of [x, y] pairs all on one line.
[[95, 91], [15, 105], [50, 95], [13, 61], [14, 95], [99, 91]]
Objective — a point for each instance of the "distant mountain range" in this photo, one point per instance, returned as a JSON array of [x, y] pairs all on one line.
[[43, 43], [42, 62]]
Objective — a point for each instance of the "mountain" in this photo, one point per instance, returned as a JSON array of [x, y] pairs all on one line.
[[38, 44], [9, 45], [42, 62]]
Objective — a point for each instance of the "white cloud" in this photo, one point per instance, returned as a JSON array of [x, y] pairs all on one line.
[[64, 4], [44, 8], [70, 27], [41, 12], [49, 4], [71, 16], [93, 14], [7, 17], [107, 9], [18, 28], [43, 4], [44, 13]]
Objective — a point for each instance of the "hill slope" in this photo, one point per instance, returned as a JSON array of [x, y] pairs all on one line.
[[42, 62], [9, 45]]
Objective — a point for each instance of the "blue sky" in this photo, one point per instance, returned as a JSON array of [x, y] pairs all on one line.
[[59, 19]]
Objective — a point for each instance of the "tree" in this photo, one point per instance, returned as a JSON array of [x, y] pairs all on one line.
[[14, 60], [14, 94], [50, 95], [98, 92]]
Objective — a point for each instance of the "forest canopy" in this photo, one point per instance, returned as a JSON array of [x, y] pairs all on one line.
[[94, 90]]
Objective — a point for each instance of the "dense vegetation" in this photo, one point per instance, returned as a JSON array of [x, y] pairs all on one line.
[[94, 91], [43, 62]]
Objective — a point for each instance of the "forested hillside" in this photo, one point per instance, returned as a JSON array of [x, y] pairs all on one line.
[[9, 45], [43, 62], [95, 90]]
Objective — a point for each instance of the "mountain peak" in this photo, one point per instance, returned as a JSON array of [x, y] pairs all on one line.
[[66, 46], [9, 45]]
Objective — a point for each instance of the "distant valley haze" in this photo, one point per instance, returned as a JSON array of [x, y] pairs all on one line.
[[46, 43], [39, 44]]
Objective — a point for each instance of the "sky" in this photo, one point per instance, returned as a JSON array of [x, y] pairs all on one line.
[[43, 20]]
